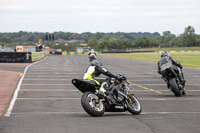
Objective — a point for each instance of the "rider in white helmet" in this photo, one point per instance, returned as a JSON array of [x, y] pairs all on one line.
[[92, 55], [95, 70]]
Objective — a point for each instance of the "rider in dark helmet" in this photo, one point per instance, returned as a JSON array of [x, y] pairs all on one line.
[[165, 58], [95, 70]]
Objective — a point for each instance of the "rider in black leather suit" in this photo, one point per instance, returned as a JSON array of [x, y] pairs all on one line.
[[165, 58]]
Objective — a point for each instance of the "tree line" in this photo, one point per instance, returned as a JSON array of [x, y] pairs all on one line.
[[106, 41]]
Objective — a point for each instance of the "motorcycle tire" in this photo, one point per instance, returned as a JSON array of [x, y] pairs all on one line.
[[133, 105], [174, 87], [91, 104]]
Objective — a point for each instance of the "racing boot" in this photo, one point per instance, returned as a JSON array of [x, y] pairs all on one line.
[[182, 80], [183, 92], [167, 82], [102, 89]]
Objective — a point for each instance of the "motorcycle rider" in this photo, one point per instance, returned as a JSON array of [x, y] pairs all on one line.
[[95, 70], [92, 54], [165, 58]]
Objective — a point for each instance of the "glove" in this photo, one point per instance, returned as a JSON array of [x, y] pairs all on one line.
[[181, 66], [159, 72], [120, 77]]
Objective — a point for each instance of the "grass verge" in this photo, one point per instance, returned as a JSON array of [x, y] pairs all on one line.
[[187, 59]]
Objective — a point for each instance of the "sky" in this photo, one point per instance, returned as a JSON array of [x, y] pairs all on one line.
[[99, 15]]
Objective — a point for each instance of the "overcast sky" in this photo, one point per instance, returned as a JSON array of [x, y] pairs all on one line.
[[99, 15]]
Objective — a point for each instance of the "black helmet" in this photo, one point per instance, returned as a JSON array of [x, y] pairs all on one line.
[[96, 63], [164, 54]]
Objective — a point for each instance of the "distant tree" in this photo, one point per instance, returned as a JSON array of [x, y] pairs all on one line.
[[113, 44], [84, 37], [6, 39], [142, 42], [93, 43], [102, 44], [165, 33], [198, 40], [74, 36], [188, 37], [154, 43]]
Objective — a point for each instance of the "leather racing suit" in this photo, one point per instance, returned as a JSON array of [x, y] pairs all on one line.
[[175, 65], [95, 70]]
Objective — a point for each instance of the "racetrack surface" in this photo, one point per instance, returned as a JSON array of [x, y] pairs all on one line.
[[48, 103]]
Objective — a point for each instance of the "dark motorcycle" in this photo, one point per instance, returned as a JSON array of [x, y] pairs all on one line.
[[170, 76], [117, 98]]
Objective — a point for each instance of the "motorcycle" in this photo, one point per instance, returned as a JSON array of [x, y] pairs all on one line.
[[118, 97], [172, 79]]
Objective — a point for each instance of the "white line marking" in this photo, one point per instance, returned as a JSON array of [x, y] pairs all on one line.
[[168, 99], [164, 84], [196, 76], [44, 70], [139, 74], [12, 103], [147, 80], [78, 76], [143, 113], [141, 99], [51, 73], [48, 90], [163, 90], [48, 79], [48, 98], [71, 84], [46, 84], [78, 90], [55, 76], [43, 113], [160, 99], [49, 68], [170, 113]]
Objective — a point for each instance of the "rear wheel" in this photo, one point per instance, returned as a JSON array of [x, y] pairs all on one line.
[[174, 87], [92, 105], [133, 105]]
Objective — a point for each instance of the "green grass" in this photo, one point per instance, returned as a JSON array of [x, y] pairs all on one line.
[[169, 49], [187, 59]]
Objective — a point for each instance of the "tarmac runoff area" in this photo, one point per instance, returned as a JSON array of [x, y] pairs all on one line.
[[10, 74], [47, 102]]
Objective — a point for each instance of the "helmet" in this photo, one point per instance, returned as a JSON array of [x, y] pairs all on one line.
[[92, 55], [96, 63], [164, 54], [92, 50]]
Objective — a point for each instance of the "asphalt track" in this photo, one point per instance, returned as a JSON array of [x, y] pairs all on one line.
[[47, 102]]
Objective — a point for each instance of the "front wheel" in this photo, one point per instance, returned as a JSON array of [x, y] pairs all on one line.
[[133, 105], [175, 88], [92, 105]]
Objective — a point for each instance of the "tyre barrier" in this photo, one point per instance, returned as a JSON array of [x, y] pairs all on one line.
[[25, 57], [77, 53], [15, 57]]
